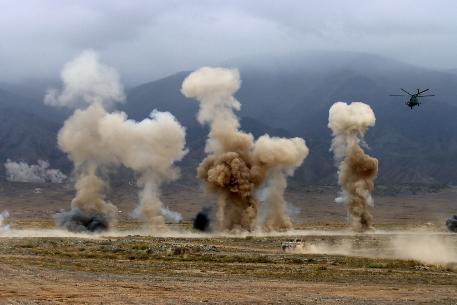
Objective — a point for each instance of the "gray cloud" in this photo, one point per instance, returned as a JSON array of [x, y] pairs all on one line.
[[150, 39]]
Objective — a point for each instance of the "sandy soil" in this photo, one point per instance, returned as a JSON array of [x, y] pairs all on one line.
[[38, 286], [252, 270]]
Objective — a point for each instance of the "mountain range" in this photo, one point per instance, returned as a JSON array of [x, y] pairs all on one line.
[[283, 95]]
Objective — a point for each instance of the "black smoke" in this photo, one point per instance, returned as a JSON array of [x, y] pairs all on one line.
[[202, 221], [78, 221], [451, 224]]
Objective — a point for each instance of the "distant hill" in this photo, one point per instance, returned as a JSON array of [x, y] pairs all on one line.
[[290, 95], [25, 135]]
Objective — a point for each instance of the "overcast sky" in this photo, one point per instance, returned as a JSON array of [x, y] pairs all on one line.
[[146, 40]]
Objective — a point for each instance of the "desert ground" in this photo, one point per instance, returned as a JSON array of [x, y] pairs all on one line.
[[135, 266]]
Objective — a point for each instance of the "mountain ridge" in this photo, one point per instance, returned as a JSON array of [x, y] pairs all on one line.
[[291, 97]]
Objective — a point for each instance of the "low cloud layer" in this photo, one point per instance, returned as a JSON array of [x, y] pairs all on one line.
[[38, 37]]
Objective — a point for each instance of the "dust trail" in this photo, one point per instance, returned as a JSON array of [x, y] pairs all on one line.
[[356, 170], [236, 166], [427, 248], [34, 173]]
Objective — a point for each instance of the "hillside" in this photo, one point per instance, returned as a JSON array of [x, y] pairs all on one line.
[[290, 96]]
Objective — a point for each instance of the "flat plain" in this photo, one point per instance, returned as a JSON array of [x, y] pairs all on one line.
[[192, 268]]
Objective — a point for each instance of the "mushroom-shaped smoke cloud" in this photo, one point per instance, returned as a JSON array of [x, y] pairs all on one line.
[[356, 170], [281, 157], [150, 148]]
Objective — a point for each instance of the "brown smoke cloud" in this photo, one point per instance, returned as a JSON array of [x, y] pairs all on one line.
[[236, 166], [81, 140], [356, 170]]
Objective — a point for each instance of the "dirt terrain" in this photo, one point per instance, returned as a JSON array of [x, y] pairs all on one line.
[[137, 269]]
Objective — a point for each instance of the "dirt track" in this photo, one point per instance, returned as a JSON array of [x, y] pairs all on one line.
[[57, 271]]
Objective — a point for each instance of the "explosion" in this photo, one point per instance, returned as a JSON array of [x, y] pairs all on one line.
[[149, 148], [236, 166], [356, 170], [451, 223], [280, 157], [202, 221], [96, 140]]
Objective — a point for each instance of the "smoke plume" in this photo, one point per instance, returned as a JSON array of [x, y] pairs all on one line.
[[150, 148], [86, 81], [202, 221], [81, 140], [451, 224], [281, 156], [3, 217], [34, 173], [356, 170], [236, 166], [171, 216], [96, 140]]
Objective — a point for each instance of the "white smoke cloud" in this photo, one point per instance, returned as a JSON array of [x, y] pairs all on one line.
[[87, 81], [281, 156], [34, 173], [348, 124], [150, 148], [171, 216], [214, 89], [3, 216], [80, 138]]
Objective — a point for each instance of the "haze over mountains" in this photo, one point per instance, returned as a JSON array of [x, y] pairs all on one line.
[[284, 96]]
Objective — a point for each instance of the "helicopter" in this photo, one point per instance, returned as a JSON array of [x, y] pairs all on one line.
[[413, 98]]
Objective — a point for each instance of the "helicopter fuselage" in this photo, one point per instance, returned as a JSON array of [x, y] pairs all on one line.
[[413, 101]]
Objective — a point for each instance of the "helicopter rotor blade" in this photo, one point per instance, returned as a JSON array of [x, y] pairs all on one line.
[[423, 91], [425, 95], [406, 92], [396, 95]]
